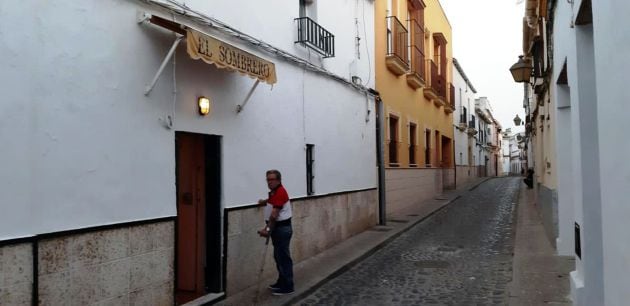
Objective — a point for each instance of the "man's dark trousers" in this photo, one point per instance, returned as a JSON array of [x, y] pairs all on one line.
[[281, 238]]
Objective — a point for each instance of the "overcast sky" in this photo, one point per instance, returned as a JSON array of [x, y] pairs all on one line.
[[487, 39]]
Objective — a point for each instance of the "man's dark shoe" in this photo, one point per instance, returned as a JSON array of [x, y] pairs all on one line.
[[283, 291], [274, 286]]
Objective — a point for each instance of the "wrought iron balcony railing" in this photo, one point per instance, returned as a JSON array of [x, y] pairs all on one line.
[[417, 49], [440, 86], [397, 39], [315, 36], [437, 81], [451, 96]]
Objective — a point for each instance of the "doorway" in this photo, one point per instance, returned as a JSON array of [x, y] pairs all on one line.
[[199, 252], [437, 150], [447, 163]]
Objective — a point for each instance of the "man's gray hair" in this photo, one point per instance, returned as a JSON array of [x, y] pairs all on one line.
[[276, 172]]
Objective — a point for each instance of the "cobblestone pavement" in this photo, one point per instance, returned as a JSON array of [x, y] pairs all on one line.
[[461, 255]]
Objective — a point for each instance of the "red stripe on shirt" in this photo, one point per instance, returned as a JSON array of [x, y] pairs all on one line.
[[279, 197]]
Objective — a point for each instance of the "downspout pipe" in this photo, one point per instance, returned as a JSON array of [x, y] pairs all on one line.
[[454, 165], [380, 157]]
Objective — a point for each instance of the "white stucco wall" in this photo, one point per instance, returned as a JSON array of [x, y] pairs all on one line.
[[273, 22], [83, 146], [482, 149], [465, 97], [505, 152], [612, 44], [580, 182]]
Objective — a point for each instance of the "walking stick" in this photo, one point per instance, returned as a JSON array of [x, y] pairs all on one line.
[[260, 273]]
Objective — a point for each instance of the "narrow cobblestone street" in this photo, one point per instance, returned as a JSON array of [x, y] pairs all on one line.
[[462, 255]]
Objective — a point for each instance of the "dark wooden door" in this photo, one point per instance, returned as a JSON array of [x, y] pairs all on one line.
[[191, 216]]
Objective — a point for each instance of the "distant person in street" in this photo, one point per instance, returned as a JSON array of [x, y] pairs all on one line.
[[278, 227], [529, 180]]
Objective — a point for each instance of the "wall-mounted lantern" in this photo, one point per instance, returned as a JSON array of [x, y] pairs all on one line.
[[517, 120], [521, 71], [204, 105]]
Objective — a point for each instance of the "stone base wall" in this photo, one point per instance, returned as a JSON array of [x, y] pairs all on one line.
[[16, 274], [130, 265], [410, 187], [465, 174], [318, 224], [448, 178], [124, 266]]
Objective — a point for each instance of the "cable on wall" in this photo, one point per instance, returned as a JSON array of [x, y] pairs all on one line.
[[367, 47]]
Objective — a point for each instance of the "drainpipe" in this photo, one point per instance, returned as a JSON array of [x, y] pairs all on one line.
[[380, 158], [454, 165]]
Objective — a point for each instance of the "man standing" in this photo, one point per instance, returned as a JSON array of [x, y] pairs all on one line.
[[278, 219]]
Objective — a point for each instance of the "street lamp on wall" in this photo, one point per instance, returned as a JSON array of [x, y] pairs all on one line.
[[204, 105], [517, 120], [521, 71]]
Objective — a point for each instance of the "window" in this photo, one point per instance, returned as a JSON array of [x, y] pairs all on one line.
[[310, 33], [464, 115], [439, 52], [427, 147], [437, 57], [309, 169], [415, 19], [308, 8], [412, 144], [397, 40], [437, 148], [393, 139]]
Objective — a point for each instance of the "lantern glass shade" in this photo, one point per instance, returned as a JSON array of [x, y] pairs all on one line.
[[517, 120], [521, 71], [204, 105]]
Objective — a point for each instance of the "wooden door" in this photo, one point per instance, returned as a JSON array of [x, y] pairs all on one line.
[[191, 202]]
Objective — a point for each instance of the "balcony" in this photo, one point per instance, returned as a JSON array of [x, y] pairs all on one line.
[[416, 77], [430, 92], [315, 37], [440, 88], [396, 59], [471, 127], [463, 125], [450, 103]]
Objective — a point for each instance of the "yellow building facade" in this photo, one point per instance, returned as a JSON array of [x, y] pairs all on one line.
[[413, 64], [413, 76]]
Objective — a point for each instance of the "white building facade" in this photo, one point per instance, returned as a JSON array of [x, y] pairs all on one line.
[[591, 109], [582, 100], [486, 140], [109, 177], [465, 125], [513, 162]]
